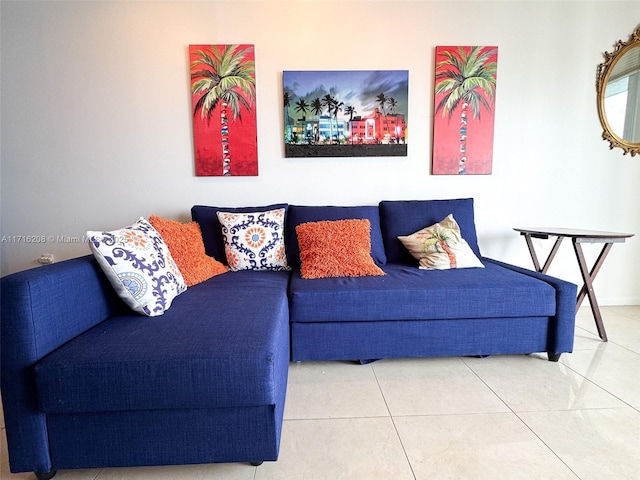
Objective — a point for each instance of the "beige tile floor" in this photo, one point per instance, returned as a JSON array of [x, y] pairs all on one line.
[[509, 417]]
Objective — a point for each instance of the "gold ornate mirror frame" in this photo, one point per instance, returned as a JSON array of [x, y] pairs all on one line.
[[612, 69]]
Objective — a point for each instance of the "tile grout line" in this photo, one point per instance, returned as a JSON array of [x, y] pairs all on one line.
[[98, 474], [592, 382], [545, 444], [613, 342], [617, 345], [393, 422], [520, 418]]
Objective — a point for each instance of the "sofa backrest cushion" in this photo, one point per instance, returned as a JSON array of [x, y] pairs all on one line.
[[404, 217], [302, 214], [207, 218]]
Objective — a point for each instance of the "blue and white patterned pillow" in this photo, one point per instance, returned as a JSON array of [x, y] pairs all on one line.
[[139, 266], [254, 241]]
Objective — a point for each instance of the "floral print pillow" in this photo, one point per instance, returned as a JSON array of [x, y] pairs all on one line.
[[139, 266], [254, 241]]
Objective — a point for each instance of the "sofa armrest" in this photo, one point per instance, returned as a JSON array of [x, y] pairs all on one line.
[[565, 316], [41, 309]]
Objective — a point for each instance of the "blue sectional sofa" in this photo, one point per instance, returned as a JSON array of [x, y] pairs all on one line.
[[86, 382]]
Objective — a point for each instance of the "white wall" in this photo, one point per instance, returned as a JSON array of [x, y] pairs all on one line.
[[96, 121]]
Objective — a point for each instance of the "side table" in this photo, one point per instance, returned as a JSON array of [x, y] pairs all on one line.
[[578, 237]]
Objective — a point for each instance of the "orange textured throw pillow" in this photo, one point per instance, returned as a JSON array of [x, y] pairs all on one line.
[[336, 248], [187, 249]]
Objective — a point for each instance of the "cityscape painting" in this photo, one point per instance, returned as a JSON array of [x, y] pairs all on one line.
[[463, 121], [345, 113], [223, 96]]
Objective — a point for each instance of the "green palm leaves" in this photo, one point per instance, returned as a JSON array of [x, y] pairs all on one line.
[[467, 77], [223, 76]]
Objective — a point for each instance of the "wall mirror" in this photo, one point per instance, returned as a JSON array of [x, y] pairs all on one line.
[[618, 88]]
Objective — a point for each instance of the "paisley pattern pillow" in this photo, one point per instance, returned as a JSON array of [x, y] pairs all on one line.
[[139, 266], [254, 241]]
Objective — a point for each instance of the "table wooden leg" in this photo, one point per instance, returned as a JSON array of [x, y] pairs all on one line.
[[552, 254], [534, 257], [587, 288], [532, 252]]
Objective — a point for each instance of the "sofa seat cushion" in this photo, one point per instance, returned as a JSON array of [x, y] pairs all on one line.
[[219, 345], [409, 293]]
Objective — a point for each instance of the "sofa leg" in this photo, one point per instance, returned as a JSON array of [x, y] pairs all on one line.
[[553, 357], [45, 475], [256, 464], [367, 361]]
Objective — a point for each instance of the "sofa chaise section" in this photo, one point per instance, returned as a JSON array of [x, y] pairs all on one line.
[[88, 383]]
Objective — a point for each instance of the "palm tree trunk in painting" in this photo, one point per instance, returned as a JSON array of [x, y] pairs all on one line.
[[224, 133], [462, 160]]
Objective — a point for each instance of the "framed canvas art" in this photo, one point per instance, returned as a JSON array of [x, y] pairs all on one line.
[[345, 113], [464, 110], [223, 98]]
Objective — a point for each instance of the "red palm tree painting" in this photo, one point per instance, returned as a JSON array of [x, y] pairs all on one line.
[[463, 123], [223, 96]]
